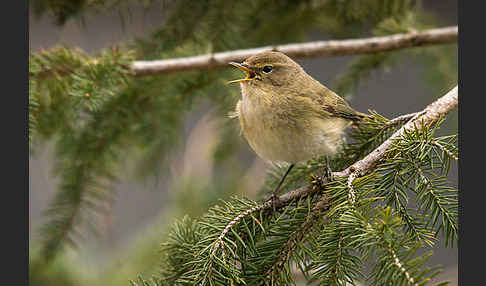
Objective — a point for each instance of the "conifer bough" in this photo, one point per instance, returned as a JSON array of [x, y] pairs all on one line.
[[310, 49], [433, 112]]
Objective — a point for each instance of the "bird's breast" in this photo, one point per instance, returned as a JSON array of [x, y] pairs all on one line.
[[278, 133]]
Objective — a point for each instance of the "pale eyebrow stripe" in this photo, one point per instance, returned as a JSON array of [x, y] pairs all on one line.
[[259, 65]]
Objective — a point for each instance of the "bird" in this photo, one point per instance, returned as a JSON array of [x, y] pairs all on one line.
[[286, 115]]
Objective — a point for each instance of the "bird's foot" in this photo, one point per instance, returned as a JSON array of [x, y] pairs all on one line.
[[327, 171], [325, 177], [275, 192], [316, 181], [275, 200]]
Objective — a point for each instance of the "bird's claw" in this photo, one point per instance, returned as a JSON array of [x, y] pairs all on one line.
[[275, 201], [327, 171], [316, 181]]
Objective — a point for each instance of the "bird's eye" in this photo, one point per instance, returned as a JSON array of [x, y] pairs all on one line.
[[267, 69]]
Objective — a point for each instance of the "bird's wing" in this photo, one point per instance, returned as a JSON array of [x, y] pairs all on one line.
[[330, 104]]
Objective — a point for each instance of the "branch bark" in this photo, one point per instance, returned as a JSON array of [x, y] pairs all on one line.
[[430, 114], [303, 50]]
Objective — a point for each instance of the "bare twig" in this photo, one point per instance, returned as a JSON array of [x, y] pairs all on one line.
[[310, 49]]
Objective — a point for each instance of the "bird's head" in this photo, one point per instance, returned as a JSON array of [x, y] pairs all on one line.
[[269, 71]]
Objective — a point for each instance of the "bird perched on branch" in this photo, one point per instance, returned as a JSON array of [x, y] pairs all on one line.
[[288, 116]]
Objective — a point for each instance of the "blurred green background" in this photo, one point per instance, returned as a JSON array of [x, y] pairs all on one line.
[[127, 244]]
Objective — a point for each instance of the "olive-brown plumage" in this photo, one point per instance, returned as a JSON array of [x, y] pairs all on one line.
[[285, 114]]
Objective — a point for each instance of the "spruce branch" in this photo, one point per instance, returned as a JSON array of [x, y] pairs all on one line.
[[236, 220], [94, 147], [445, 150], [398, 264], [335, 264], [351, 194], [310, 49], [433, 112], [296, 237], [235, 246], [269, 204], [376, 235], [438, 199], [430, 114]]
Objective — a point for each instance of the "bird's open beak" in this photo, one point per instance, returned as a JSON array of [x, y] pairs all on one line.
[[250, 75]]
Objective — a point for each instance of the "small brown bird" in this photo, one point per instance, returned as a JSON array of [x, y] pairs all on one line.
[[288, 116]]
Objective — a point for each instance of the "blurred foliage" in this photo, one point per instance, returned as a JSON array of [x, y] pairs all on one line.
[[59, 272], [62, 11], [99, 116], [239, 241]]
